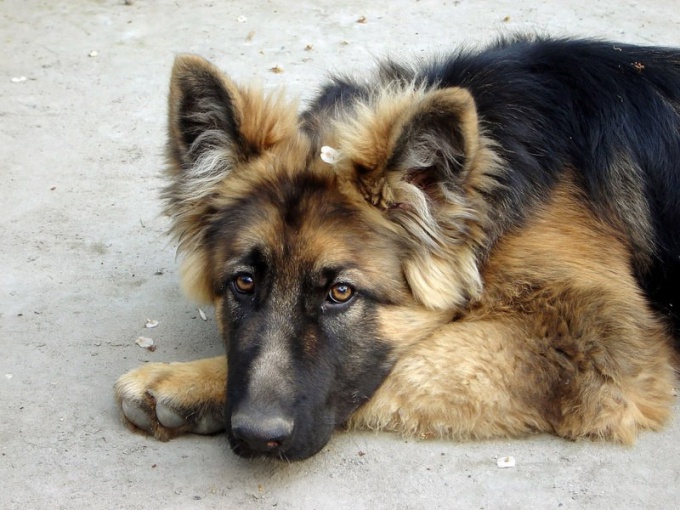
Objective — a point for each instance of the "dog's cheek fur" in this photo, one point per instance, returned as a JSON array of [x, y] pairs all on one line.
[[362, 357]]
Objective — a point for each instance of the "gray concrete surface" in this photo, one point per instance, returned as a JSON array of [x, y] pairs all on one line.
[[84, 260]]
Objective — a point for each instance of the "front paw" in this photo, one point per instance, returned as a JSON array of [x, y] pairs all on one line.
[[170, 399]]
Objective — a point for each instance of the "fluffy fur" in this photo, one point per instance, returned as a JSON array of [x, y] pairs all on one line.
[[492, 254]]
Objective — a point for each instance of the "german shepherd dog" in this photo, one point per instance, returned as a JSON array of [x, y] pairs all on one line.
[[484, 244]]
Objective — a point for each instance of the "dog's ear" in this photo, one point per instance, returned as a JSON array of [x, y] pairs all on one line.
[[202, 113], [427, 141], [420, 158], [210, 117], [438, 141], [214, 128]]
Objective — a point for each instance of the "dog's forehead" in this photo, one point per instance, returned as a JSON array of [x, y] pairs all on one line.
[[303, 209], [318, 239]]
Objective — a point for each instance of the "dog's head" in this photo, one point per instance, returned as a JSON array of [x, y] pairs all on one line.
[[321, 274]]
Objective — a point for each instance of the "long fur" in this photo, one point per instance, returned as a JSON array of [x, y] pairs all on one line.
[[504, 225]]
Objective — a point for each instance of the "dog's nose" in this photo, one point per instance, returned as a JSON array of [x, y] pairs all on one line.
[[260, 432]]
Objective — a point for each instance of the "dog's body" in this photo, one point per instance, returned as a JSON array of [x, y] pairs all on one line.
[[491, 249]]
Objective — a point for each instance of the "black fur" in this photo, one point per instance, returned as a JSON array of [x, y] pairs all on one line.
[[200, 122], [583, 105]]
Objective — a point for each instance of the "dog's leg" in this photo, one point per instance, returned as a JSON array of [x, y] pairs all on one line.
[[467, 381], [562, 341], [483, 379], [169, 399]]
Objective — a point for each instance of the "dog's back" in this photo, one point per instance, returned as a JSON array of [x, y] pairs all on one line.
[[608, 112]]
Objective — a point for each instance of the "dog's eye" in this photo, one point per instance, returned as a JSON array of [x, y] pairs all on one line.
[[244, 283], [340, 293]]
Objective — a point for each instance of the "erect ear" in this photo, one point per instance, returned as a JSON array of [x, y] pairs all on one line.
[[214, 127], [426, 139], [203, 112], [208, 113], [438, 142], [420, 158]]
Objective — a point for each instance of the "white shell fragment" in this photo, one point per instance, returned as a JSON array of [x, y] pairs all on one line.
[[505, 462], [18, 79], [242, 19], [202, 314], [151, 324], [330, 155], [93, 53], [144, 342]]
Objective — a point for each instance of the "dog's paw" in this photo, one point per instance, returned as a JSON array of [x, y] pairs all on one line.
[[169, 399]]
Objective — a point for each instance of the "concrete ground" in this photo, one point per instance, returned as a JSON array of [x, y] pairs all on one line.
[[84, 260]]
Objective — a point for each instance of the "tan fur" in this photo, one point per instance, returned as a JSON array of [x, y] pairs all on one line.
[[542, 329], [562, 342], [193, 391]]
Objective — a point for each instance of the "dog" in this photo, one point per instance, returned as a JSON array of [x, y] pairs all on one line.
[[483, 244]]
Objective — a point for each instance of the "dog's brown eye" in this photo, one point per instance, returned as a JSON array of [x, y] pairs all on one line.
[[340, 293], [244, 283]]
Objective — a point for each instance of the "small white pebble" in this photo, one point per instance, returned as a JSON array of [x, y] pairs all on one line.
[[505, 462], [144, 341], [150, 324], [18, 79], [202, 314], [9, 376], [241, 19], [93, 53], [330, 155]]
